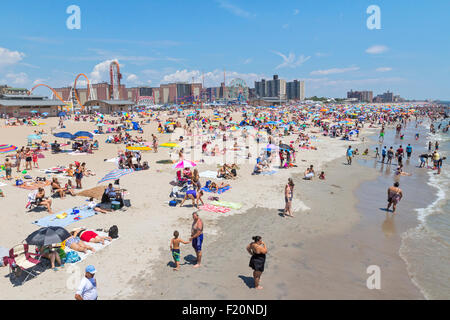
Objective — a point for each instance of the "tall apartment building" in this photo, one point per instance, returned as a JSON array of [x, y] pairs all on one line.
[[271, 88], [364, 96], [295, 90]]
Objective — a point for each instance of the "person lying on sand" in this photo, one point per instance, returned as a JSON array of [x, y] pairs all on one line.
[[75, 243], [89, 236], [214, 187]]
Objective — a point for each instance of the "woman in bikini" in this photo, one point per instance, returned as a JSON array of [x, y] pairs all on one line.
[[288, 195], [258, 251], [75, 243], [89, 236]]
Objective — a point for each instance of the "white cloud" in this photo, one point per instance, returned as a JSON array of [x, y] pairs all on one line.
[[19, 79], [377, 49], [334, 71], [322, 54], [285, 26], [8, 57], [235, 9], [247, 61], [291, 61], [132, 78], [212, 78], [296, 12], [383, 69]]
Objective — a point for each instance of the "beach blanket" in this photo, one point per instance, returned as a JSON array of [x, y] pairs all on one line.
[[213, 208], [227, 204], [34, 185], [219, 191], [2, 184], [269, 172], [209, 174], [53, 221], [96, 246]]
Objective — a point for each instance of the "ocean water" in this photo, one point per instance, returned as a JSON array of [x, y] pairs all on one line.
[[426, 248], [423, 215]]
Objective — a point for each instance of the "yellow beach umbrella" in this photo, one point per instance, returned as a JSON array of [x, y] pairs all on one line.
[[169, 145]]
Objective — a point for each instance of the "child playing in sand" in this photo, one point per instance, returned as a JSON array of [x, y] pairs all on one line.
[[322, 175], [175, 248]]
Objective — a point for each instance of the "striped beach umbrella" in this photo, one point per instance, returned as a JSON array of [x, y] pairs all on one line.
[[116, 174], [4, 148]]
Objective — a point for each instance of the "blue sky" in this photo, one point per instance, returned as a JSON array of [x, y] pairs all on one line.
[[325, 43]]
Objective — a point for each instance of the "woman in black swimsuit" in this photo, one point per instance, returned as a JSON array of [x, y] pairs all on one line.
[[258, 251]]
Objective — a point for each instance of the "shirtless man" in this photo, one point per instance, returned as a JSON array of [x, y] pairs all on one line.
[[197, 237], [394, 194], [8, 169], [288, 194]]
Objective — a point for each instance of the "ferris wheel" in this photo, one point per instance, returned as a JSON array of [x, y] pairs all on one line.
[[238, 90]]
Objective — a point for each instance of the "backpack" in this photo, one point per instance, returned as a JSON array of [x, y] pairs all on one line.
[[113, 232]]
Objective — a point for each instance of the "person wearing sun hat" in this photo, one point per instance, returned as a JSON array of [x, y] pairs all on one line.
[[87, 290]]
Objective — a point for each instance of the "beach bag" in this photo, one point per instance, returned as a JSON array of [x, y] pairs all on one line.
[[113, 232], [19, 182], [173, 203], [72, 257]]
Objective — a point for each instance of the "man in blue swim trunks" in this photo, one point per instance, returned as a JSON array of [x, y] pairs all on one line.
[[197, 237]]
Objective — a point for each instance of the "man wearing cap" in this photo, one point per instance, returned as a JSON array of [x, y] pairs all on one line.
[[87, 289]]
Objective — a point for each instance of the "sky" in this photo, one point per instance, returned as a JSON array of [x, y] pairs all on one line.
[[326, 43]]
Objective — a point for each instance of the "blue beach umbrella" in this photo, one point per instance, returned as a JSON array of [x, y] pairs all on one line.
[[64, 135], [116, 174], [83, 134]]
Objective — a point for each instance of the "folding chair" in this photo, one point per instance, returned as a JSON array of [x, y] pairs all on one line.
[[19, 257]]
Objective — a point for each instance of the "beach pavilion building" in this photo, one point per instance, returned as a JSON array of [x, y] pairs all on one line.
[[108, 106], [20, 105]]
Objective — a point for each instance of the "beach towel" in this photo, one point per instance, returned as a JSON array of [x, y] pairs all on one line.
[[213, 208], [34, 185], [269, 172], [227, 204], [209, 174], [53, 221], [96, 246], [219, 191], [2, 184]]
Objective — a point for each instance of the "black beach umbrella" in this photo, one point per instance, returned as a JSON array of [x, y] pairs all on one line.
[[47, 236]]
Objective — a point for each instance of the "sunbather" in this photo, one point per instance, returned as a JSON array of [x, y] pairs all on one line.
[[56, 187], [214, 187], [89, 236], [95, 206], [75, 243], [42, 200], [68, 188]]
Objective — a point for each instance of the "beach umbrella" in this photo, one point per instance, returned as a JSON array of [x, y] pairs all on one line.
[[285, 147], [64, 135], [4, 148], [83, 138], [184, 164], [169, 145], [45, 113], [116, 174], [83, 134], [47, 236], [271, 147], [61, 114], [33, 111]]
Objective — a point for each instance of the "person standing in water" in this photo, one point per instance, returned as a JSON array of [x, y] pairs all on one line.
[[258, 251], [395, 194]]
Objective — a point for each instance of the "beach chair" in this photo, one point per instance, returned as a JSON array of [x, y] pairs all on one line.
[[21, 258], [180, 180]]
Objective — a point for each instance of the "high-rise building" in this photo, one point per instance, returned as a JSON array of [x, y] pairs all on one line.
[[295, 90], [271, 88], [363, 96]]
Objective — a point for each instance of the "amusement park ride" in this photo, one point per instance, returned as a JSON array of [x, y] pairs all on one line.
[[115, 77]]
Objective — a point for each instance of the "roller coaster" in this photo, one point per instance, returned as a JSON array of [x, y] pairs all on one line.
[[115, 76]]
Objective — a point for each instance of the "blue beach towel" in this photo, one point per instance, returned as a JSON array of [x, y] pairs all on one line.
[[220, 191], [52, 221]]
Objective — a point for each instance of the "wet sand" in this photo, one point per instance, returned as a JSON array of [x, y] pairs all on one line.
[[321, 253]]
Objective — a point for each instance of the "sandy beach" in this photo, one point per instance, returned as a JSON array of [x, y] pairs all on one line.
[[321, 253]]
